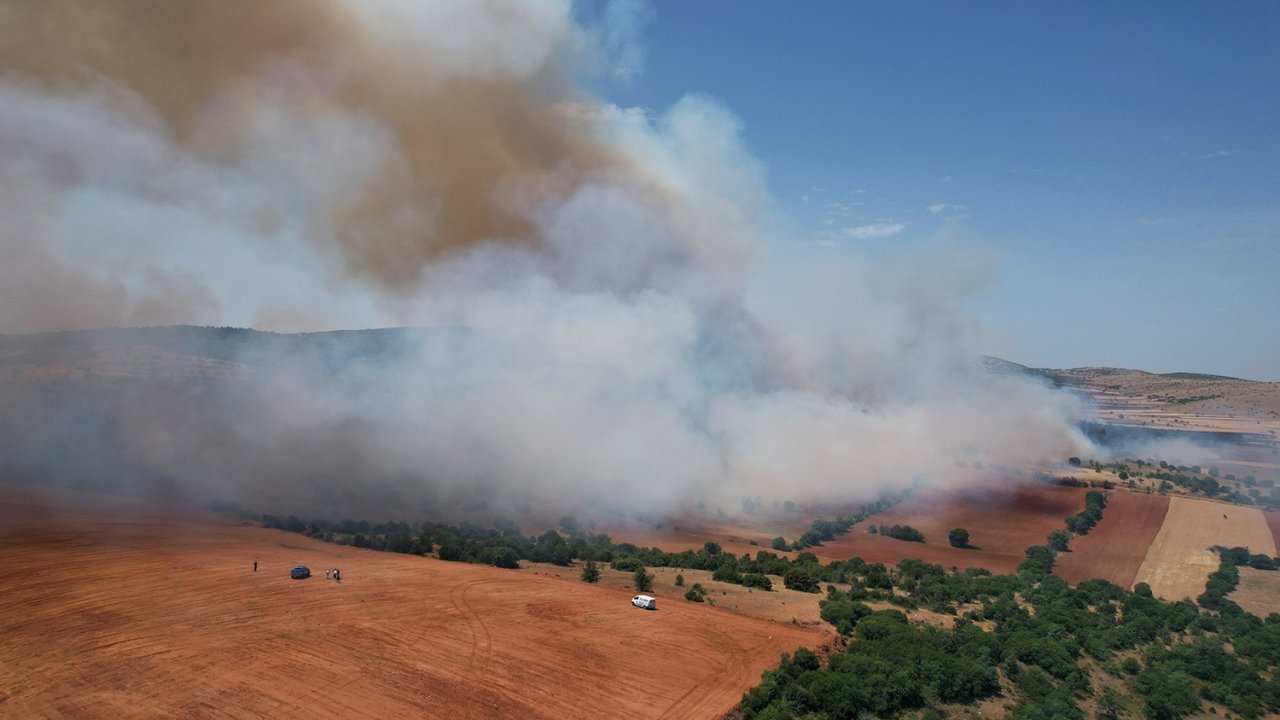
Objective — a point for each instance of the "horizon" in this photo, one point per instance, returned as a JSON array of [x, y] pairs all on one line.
[[427, 327]]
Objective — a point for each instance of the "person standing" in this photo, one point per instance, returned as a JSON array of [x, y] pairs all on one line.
[[255, 566]]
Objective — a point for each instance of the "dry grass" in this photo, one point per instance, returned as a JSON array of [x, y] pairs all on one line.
[[1179, 560]]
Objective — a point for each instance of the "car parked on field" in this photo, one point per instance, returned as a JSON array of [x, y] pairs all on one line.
[[645, 601], [300, 572]]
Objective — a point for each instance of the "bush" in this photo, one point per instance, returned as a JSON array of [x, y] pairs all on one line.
[[800, 579], [627, 564], [780, 543], [695, 593], [643, 580], [591, 572], [959, 538], [757, 580], [679, 580], [903, 532], [504, 557]]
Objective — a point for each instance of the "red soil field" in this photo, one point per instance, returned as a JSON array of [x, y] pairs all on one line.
[[1273, 522], [1002, 520], [140, 613], [1117, 545]]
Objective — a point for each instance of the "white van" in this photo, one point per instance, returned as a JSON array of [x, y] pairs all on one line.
[[644, 601]]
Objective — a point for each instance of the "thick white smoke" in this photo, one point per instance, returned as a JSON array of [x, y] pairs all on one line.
[[430, 164]]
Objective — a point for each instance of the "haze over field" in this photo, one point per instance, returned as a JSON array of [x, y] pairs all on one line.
[[321, 165]]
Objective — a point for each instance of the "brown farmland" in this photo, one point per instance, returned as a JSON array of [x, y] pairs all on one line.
[[1117, 545], [1002, 520], [148, 615], [1273, 522]]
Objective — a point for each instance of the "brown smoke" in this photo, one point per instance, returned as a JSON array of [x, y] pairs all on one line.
[[461, 135]]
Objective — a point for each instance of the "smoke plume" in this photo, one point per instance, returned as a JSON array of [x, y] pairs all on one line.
[[604, 326]]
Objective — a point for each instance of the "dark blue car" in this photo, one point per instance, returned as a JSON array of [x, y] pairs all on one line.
[[300, 572]]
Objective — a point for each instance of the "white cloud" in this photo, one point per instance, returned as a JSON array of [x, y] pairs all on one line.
[[880, 229], [947, 207], [1220, 153]]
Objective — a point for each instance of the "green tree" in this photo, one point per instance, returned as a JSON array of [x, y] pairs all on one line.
[[780, 543], [1059, 540], [591, 572], [959, 538], [798, 578], [679, 580], [695, 593], [643, 580]]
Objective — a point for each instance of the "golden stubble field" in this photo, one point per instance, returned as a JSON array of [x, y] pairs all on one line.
[[1179, 561]]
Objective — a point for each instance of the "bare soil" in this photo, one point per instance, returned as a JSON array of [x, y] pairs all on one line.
[[1273, 522], [139, 613], [1003, 520], [1117, 545], [1179, 560]]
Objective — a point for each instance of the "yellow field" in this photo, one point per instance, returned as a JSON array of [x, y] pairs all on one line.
[[1259, 591], [1179, 561]]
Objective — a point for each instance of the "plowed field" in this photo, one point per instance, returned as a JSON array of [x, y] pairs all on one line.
[[1002, 520], [138, 615], [1273, 522], [1117, 545]]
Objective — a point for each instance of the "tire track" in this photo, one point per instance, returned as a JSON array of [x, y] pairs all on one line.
[[480, 652]]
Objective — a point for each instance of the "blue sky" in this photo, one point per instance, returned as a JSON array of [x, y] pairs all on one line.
[[1122, 159]]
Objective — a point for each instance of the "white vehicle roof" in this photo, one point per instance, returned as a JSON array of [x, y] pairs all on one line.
[[642, 597]]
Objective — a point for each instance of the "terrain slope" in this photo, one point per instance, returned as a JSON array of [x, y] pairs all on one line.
[[137, 613]]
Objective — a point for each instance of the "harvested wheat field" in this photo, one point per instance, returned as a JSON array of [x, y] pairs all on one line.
[[1273, 522], [1117, 545], [1002, 520], [146, 614], [1179, 561], [1258, 592]]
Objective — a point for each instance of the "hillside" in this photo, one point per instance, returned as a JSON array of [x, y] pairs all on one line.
[[143, 612]]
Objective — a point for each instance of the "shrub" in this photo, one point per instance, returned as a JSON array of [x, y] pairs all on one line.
[[903, 532], [643, 580], [695, 593], [800, 579], [959, 538], [757, 580], [679, 580], [591, 572], [627, 564]]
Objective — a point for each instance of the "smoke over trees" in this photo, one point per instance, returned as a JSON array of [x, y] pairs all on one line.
[[602, 319]]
